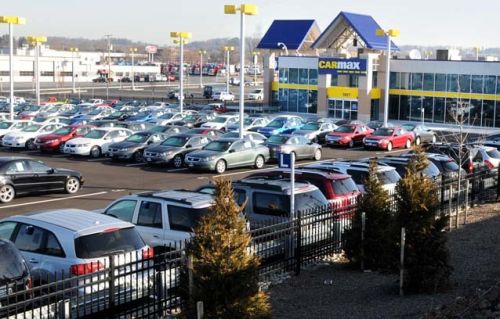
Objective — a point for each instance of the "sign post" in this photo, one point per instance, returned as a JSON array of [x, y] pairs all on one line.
[[288, 161]]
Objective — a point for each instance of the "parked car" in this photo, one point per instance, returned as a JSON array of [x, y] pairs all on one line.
[[119, 115], [490, 156], [95, 143], [25, 138], [221, 122], [257, 94], [174, 149], [167, 118], [447, 166], [421, 133], [378, 124], [168, 130], [348, 135], [249, 123], [255, 137], [21, 176], [193, 120], [223, 96], [228, 153], [316, 131], [132, 148], [464, 156], [351, 122], [144, 117], [8, 126], [386, 138], [297, 144], [134, 126], [285, 124], [16, 276], [212, 133], [400, 163], [55, 141]]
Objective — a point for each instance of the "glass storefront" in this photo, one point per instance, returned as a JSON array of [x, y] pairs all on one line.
[[298, 100], [343, 109]]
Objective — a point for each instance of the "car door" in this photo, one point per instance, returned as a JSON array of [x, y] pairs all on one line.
[[29, 240], [149, 221], [46, 177], [23, 179], [399, 138], [234, 156]]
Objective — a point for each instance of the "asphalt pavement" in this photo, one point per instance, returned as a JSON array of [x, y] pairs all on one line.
[[106, 180]]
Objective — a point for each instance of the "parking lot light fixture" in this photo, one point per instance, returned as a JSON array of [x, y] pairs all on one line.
[[202, 53], [390, 33], [36, 42], [73, 52], [181, 38], [228, 50], [11, 20], [244, 9], [132, 53]]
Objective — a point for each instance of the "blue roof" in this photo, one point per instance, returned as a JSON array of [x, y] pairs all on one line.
[[291, 32], [365, 27]]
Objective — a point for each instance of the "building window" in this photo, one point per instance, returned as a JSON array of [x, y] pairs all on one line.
[[394, 80], [283, 73], [464, 82], [404, 108], [85, 73], [353, 81], [452, 85], [283, 100], [440, 83], [313, 101], [119, 73], [293, 76], [477, 84], [405, 81], [394, 107], [334, 80], [451, 111], [65, 73], [416, 81], [375, 111], [439, 110], [474, 111], [4, 73], [292, 100], [488, 112], [428, 106], [303, 76], [313, 77], [428, 82], [303, 103], [416, 108], [490, 84], [26, 73]]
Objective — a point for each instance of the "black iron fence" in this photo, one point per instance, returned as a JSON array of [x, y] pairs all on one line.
[[135, 285]]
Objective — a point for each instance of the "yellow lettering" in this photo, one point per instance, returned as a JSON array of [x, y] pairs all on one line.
[[321, 64]]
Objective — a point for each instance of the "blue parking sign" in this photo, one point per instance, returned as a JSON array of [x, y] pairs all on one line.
[[284, 160]]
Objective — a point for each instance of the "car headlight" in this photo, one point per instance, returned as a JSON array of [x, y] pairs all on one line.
[[384, 141], [84, 145], [51, 141], [123, 149], [208, 159], [19, 138]]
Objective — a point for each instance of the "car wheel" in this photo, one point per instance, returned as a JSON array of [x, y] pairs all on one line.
[[178, 161], [389, 146], [408, 144], [317, 154], [434, 139], [7, 193], [72, 185], [220, 166], [30, 144], [95, 152], [259, 162], [137, 157], [417, 140], [351, 143]]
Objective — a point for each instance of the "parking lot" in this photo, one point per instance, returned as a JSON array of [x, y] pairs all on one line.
[[106, 180]]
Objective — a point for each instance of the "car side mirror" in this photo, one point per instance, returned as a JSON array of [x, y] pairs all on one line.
[[189, 146], [51, 171], [231, 151], [30, 230], [150, 142]]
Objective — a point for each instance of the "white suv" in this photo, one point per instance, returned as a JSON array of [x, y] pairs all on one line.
[[223, 96], [257, 94]]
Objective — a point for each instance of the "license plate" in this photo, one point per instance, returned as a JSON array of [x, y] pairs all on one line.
[[148, 159], [190, 165]]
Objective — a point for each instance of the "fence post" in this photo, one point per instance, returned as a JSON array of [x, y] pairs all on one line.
[[298, 257], [190, 276], [402, 261], [63, 309], [473, 190], [363, 220], [466, 200], [450, 201], [498, 183], [111, 282], [443, 190], [199, 310]]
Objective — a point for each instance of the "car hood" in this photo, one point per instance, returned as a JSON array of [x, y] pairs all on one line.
[[162, 149], [126, 144], [47, 137], [212, 124], [204, 153], [378, 138], [339, 134]]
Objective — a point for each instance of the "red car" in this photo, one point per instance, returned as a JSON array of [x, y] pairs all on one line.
[[55, 141], [348, 135], [387, 138], [111, 103]]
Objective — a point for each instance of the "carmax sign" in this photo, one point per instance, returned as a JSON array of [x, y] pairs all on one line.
[[341, 66]]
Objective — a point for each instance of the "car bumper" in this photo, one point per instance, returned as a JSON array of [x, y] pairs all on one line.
[[77, 150], [206, 166], [48, 147], [337, 142], [19, 144], [157, 159], [120, 155]]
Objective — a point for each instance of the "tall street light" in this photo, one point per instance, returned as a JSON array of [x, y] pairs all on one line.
[[36, 42], [245, 9], [132, 53], [108, 36], [181, 38], [255, 55], [228, 50], [202, 52], [389, 34], [11, 20], [73, 52]]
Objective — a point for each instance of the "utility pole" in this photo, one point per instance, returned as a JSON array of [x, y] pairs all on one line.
[[108, 36]]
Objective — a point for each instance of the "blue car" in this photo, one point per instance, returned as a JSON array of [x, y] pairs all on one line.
[[142, 117], [284, 124]]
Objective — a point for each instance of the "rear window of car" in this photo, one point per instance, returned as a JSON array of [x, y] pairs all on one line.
[[389, 177], [494, 153], [305, 202], [344, 186], [450, 166], [12, 265], [185, 218], [271, 204], [108, 242]]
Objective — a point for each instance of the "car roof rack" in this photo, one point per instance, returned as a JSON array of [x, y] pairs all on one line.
[[168, 195]]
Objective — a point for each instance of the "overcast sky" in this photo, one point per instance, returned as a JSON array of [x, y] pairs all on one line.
[[422, 22]]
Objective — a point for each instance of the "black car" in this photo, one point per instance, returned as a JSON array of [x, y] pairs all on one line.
[[22, 175], [15, 276], [174, 148], [467, 160]]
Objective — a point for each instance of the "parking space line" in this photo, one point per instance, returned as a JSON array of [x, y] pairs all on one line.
[[53, 200], [135, 164]]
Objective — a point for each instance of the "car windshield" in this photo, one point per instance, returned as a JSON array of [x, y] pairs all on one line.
[[185, 218], [62, 131], [494, 153], [95, 134], [117, 113], [431, 170], [388, 177], [176, 141], [345, 129], [141, 114], [220, 119], [256, 91], [247, 121], [95, 112], [157, 129], [166, 116], [230, 135], [311, 126], [408, 127], [384, 132], [277, 139], [5, 125], [277, 123], [108, 242], [344, 186], [32, 128], [12, 265], [189, 118], [450, 166], [217, 146], [137, 138]]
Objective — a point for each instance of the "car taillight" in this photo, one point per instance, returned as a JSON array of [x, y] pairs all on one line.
[[29, 283], [489, 164], [148, 253], [471, 167], [88, 268]]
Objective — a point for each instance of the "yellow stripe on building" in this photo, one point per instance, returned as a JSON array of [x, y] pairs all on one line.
[[452, 95], [277, 86], [342, 92]]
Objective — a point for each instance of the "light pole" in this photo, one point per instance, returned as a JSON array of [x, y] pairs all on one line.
[[389, 34], [255, 55], [73, 52], [181, 38], [108, 36], [283, 47], [11, 20], [36, 42], [245, 9], [202, 52], [132, 53], [228, 50]]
